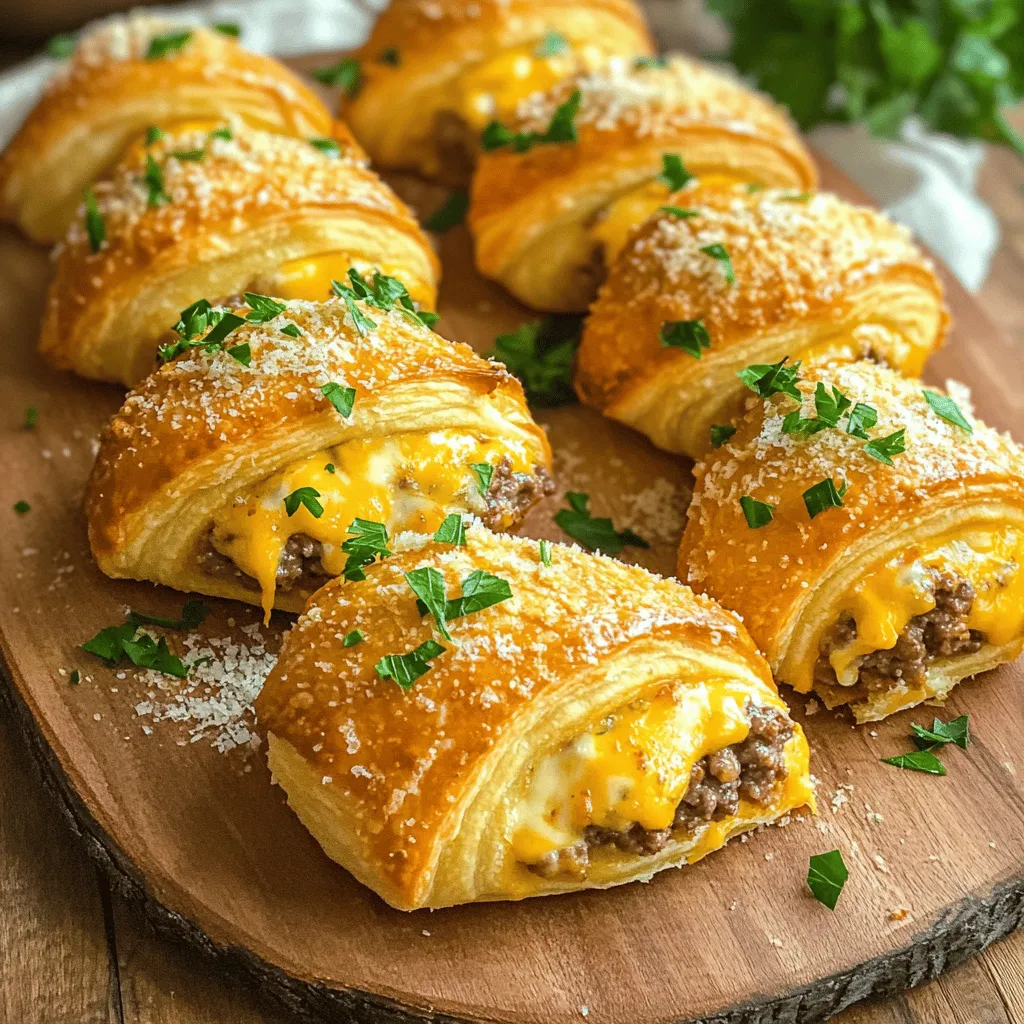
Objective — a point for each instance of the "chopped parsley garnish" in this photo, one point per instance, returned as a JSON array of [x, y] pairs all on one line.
[[480, 590], [551, 45], [540, 354], [345, 75], [644, 63], [944, 406], [223, 132], [673, 172], [918, 761], [390, 56], [822, 496], [326, 146], [330, 468], [689, 335], [95, 228], [451, 213], [193, 322], [452, 530], [21, 507], [146, 652], [720, 434], [767, 379], [681, 212], [153, 134], [862, 418], [263, 308], [795, 197], [167, 44], [383, 292], [61, 46], [292, 330], [189, 155], [718, 252], [954, 731], [355, 637], [367, 541], [826, 875], [884, 448], [594, 533], [754, 187], [240, 353], [154, 180], [757, 513], [405, 669], [428, 585], [341, 398], [483, 471], [562, 128], [31, 417], [75, 678], [306, 496], [228, 28], [193, 614], [829, 404], [545, 552]]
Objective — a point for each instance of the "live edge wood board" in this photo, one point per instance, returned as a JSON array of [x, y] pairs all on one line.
[[205, 839]]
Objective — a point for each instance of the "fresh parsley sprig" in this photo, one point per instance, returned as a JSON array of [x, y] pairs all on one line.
[[405, 669], [384, 293], [924, 759], [593, 532], [561, 129], [367, 541], [541, 354], [826, 875], [346, 75]]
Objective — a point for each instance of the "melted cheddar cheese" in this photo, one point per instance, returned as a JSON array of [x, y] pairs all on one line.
[[408, 482], [635, 767], [310, 277], [887, 598]]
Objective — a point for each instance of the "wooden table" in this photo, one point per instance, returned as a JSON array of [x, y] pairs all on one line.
[[73, 951]]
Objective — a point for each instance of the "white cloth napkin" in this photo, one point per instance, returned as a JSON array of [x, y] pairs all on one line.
[[924, 180]]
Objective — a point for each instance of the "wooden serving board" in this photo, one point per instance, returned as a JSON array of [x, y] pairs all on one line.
[[205, 839]]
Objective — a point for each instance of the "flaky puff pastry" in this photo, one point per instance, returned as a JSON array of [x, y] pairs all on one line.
[[811, 275], [109, 92], [434, 75], [588, 694], [247, 212], [543, 219], [192, 481], [911, 585]]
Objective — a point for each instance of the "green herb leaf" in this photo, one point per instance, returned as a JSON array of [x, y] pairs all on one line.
[[483, 471], [884, 448], [167, 44], [189, 155], [306, 496], [145, 652], [717, 251], [154, 179], [496, 136], [224, 133], [226, 323], [721, 434], [153, 134], [428, 585], [228, 28], [541, 354], [263, 307], [329, 147], [341, 398], [108, 643], [689, 335], [345, 75], [241, 353], [681, 212], [61, 46], [21, 507], [945, 407], [757, 513], [31, 418], [95, 228], [795, 197], [551, 45], [647, 63], [405, 669], [545, 552], [767, 379], [594, 533], [383, 292], [480, 590], [562, 128], [193, 614], [330, 468], [292, 330], [452, 530], [822, 496], [451, 213], [918, 761], [368, 540], [75, 678], [826, 875], [955, 731], [355, 637], [563, 122], [390, 56], [862, 418], [674, 173]]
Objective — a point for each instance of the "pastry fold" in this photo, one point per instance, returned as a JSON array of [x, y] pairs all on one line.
[[908, 577], [126, 74], [434, 75], [811, 275], [594, 726], [240, 469], [546, 220], [218, 211]]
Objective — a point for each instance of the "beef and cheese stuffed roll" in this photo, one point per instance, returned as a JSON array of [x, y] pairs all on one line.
[[432, 76], [127, 74], [245, 467], [566, 181], [218, 212], [748, 278], [550, 721], [871, 535]]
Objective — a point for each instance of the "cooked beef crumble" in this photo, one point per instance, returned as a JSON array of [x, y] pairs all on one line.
[[299, 564], [940, 633], [510, 494], [751, 770]]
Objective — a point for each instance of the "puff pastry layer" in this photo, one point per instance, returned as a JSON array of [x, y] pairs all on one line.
[[542, 219], [813, 275], [433, 75], [256, 211], [108, 93], [596, 726], [199, 479], [914, 583]]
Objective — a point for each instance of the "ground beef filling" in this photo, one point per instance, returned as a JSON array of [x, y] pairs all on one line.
[[751, 770], [940, 633]]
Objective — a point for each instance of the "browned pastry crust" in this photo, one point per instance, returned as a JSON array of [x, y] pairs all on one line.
[[814, 275], [108, 93]]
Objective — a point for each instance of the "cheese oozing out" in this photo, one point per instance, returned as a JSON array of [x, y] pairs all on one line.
[[310, 277], [889, 596], [408, 482], [635, 766]]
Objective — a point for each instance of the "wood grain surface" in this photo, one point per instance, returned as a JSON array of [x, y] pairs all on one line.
[[70, 950]]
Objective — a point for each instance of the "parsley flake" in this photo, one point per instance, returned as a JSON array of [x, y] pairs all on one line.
[[545, 551], [189, 155], [862, 418], [193, 614], [551, 45], [263, 308], [918, 761], [341, 398], [673, 172], [826, 875], [326, 146], [483, 471], [405, 669], [594, 533], [292, 330], [954, 731], [452, 530], [383, 292], [167, 44], [345, 75], [355, 637], [61, 46], [154, 180], [75, 678], [944, 406], [720, 434], [31, 417], [21, 507], [718, 252], [330, 468], [428, 585], [561, 128], [767, 379], [153, 134], [240, 353], [681, 212], [95, 227], [541, 354], [822, 496], [884, 448], [306, 496], [829, 404], [390, 56], [649, 63], [757, 513], [143, 650], [228, 28], [367, 541], [689, 335], [450, 214]]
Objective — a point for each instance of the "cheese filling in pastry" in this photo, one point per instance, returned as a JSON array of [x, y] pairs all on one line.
[[573, 722], [126, 74], [548, 217], [217, 213], [748, 278], [878, 566], [238, 468], [409, 482]]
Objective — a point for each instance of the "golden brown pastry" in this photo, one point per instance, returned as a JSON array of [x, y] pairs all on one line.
[[591, 158], [565, 722], [267, 456], [879, 560], [218, 211], [126, 74], [432, 76], [749, 278]]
